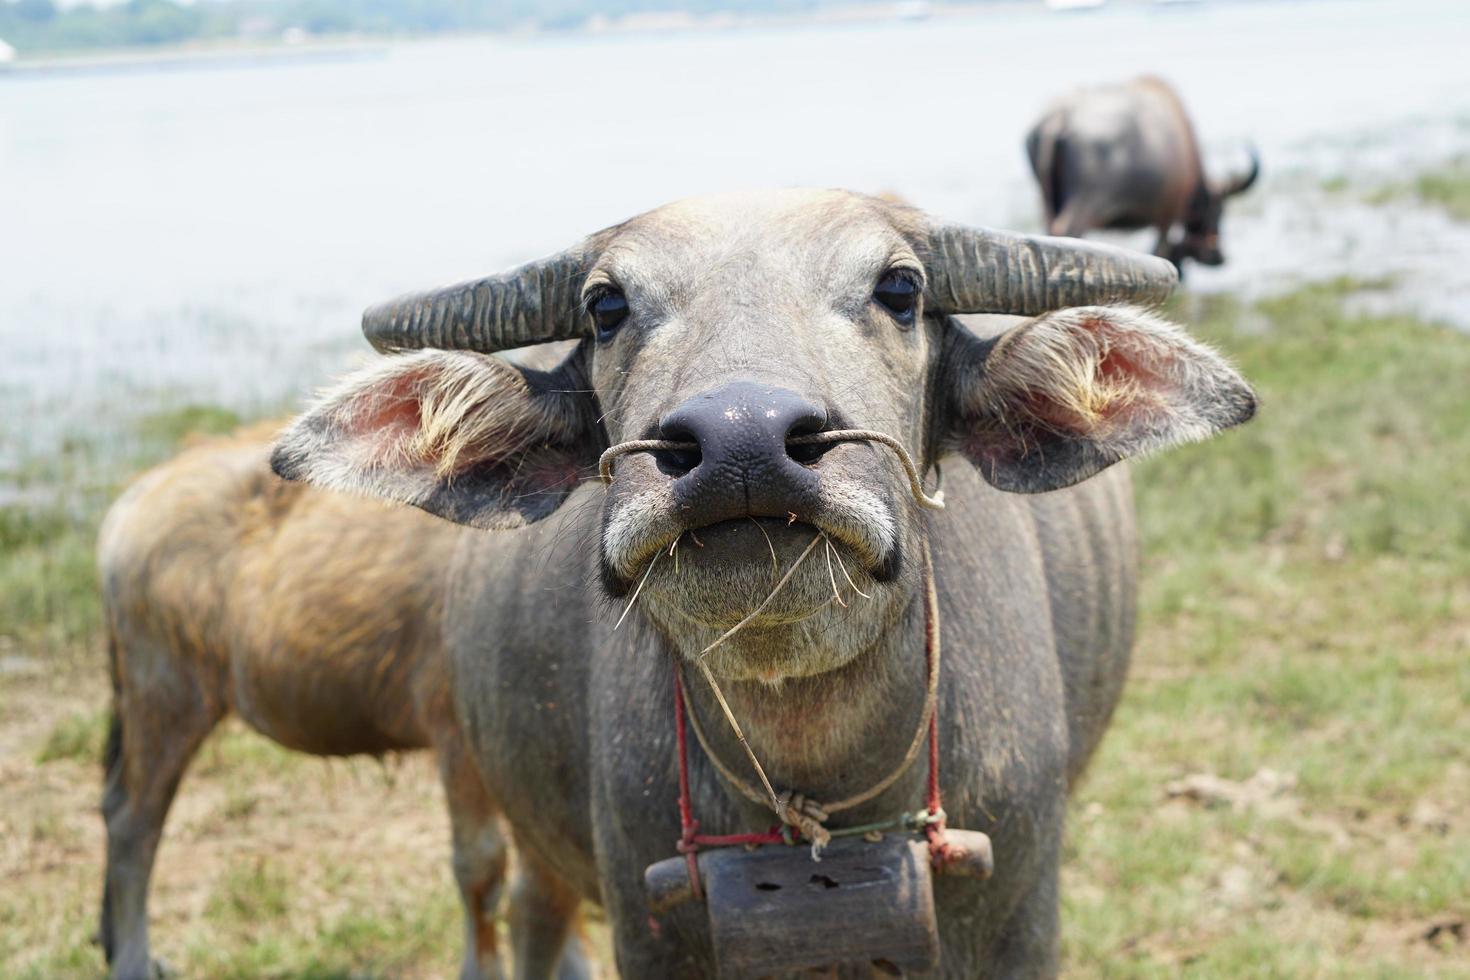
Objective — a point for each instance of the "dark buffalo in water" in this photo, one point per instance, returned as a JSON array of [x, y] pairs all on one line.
[[1126, 157], [739, 328]]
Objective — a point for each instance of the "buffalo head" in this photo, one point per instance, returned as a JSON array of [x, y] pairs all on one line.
[[733, 325], [1201, 240]]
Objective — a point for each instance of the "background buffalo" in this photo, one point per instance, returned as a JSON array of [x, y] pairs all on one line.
[[1126, 157]]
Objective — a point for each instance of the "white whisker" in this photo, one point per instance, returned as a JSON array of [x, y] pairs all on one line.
[[843, 565], [832, 577]]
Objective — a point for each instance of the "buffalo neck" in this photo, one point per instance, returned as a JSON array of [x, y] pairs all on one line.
[[831, 735]]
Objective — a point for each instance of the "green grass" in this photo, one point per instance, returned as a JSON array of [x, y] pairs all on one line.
[[257, 893], [1447, 187], [48, 582], [1304, 606], [172, 427], [236, 750], [264, 918], [253, 930], [79, 737], [48, 593]]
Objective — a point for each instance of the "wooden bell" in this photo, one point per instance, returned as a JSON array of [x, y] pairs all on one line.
[[774, 909]]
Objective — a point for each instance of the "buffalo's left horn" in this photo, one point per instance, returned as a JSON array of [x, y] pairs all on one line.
[[976, 270], [534, 304], [1244, 181]]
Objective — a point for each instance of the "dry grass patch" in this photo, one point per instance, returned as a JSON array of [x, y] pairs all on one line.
[[273, 864]]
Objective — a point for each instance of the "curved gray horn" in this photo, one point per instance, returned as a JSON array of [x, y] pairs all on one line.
[[975, 270], [534, 304], [1244, 181]]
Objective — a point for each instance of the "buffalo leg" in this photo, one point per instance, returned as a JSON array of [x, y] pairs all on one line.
[[156, 730], [480, 853], [1028, 946], [543, 912], [1165, 249], [1162, 248], [1073, 221]]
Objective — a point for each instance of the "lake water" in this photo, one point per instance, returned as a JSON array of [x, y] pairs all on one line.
[[211, 234]]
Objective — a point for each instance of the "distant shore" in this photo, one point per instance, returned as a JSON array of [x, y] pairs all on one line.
[[298, 46], [230, 55]]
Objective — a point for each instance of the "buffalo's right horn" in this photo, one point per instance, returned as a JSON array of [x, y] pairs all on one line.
[[976, 270], [534, 304]]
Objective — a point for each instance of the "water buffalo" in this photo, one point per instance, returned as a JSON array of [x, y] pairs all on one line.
[[734, 331], [314, 616], [1126, 157]]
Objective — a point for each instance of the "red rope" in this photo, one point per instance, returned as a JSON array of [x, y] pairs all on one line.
[[934, 802], [938, 846], [688, 826], [772, 836], [691, 840]]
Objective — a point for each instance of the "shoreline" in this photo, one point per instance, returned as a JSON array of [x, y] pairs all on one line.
[[188, 57], [236, 52]]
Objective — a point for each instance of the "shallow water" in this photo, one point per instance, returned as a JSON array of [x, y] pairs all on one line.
[[211, 235]]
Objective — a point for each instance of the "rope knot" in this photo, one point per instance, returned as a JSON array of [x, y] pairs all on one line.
[[687, 844], [805, 806], [806, 815], [940, 850]]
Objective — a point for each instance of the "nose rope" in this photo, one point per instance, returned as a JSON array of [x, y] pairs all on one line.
[[916, 483]]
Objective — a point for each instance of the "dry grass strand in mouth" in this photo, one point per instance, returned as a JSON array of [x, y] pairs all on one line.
[[819, 537], [775, 564], [639, 591], [714, 686], [760, 771]]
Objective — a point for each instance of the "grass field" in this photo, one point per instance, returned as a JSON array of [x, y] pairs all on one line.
[[1285, 790], [1305, 637], [1446, 187]]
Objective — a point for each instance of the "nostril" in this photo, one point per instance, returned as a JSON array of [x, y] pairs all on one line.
[[677, 462], [806, 453]]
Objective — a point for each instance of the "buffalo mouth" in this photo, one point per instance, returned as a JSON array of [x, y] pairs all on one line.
[[778, 541], [759, 542], [765, 573], [767, 540]]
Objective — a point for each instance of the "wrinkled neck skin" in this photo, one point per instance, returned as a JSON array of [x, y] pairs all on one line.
[[832, 734]]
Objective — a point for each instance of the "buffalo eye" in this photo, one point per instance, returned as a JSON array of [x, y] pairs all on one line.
[[898, 292], [608, 308]]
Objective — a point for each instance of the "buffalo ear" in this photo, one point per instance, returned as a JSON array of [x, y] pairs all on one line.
[[1056, 399], [468, 437]]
